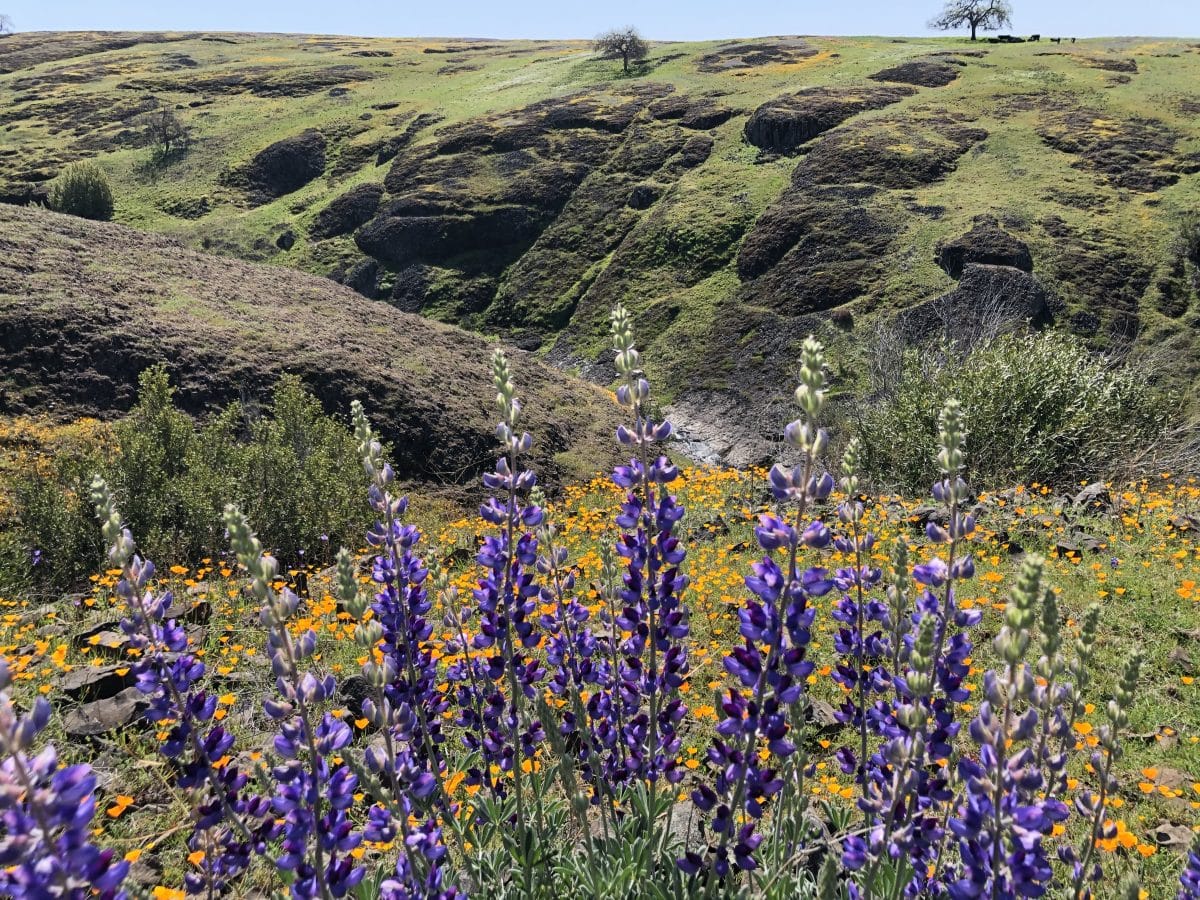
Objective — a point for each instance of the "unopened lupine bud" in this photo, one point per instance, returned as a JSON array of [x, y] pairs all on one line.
[[1019, 615], [1050, 664], [347, 585], [810, 395], [951, 434], [851, 460], [920, 679]]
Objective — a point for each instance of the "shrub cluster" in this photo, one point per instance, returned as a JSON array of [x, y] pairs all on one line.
[[1043, 408], [82, 190], [566, 716], [290, 466]]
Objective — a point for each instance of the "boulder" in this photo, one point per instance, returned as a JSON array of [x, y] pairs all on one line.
[[401, 240], [783, 124], [988, 300], [642, 196], [190, 612], [86, 683], [986, 243], [285, 166], [101, 717], [921, 72], [351, 210], [364, 278], [695, 151], [1094, 496]]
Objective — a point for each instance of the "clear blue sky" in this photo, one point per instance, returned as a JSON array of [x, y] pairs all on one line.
[[678, 19]]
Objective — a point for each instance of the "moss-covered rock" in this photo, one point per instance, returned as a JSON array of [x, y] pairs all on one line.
[[783, 124]]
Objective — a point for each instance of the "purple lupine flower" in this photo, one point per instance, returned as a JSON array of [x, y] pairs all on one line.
[[408, 704], [226, 815], [767, 707], [46, 811], [1189, 880], [654, 664], [493, 706], [909, 779], [1002, 820], [311, 795]]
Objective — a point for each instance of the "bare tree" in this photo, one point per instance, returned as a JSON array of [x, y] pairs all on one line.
[[6, 24], [165, 132], [986, 14], [624, 44]]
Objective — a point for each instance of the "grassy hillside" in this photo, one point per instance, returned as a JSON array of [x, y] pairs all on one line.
[[85, 307], [735, 195]]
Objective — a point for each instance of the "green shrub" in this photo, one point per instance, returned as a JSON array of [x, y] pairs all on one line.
[[293, 467], [82, 190], [1042, 408]]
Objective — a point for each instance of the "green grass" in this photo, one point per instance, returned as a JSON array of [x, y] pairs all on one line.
[[1149, 602]]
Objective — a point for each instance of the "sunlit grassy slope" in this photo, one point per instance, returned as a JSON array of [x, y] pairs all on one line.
[[1070, 130]]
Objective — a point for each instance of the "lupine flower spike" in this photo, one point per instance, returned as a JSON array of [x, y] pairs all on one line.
[[230, 823], [312, 795]]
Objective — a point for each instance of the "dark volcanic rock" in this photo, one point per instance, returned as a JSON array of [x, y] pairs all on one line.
[[695, 151], [286, 240], [1111, 64], [1135, 153], [101, 717], [393, 146], [783, 124], [896, 154], [986, 243], [363, 277], [749, 54], [815, 249], [642, 196], [95, 682], [261, 81], [400, 240], [921, 72], [347, 212], [691, 112], [988, 299], [285, 166]]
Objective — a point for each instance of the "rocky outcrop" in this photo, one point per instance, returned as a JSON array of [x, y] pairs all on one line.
[[347, 212], [890, 153], [988, 300], [986, 243], [921, 72], [736, 56], [815, 249], [283, 167], [785, 123]]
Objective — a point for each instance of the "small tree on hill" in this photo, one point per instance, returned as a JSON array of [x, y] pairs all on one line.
[[166, 133], [82, 190], [6, 25], [624, 44], [986, 14]]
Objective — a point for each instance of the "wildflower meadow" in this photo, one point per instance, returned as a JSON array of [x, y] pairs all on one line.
[[667, 682]]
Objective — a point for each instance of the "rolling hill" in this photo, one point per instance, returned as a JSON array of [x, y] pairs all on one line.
[[736, 195], [86, 306]]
